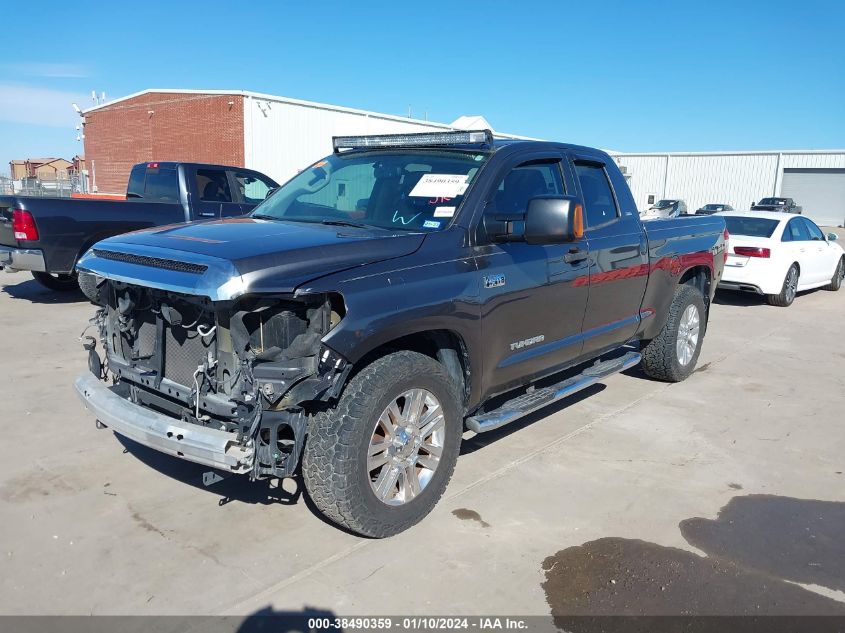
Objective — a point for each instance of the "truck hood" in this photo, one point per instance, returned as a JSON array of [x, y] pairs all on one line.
[[223, 259]]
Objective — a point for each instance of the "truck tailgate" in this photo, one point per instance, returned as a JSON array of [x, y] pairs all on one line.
[[7, 235]]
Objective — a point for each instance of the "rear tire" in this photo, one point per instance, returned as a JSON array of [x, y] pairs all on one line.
[[57, 282], [789, 289], [836, 283], [671, 356], [342, 464]]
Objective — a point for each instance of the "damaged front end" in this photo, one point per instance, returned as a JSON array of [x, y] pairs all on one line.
[[225, 383]]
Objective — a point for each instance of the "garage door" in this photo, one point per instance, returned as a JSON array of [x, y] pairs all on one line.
[[820, 191]]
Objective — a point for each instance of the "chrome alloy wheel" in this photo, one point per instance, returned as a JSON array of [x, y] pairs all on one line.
[[791, 284], [687, 335], [405, 446]]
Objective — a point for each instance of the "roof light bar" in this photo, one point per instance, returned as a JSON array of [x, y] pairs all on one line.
[[430, 139]]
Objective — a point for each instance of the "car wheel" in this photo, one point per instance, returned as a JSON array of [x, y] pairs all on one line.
[[379, 461], [789, 289], [838, 274], [60, 283], [90, 287], [672, 354]]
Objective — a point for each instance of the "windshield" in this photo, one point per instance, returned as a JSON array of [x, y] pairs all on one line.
[[773, 201], [400, 190], [713, 207], [750, 227], [662, 204]]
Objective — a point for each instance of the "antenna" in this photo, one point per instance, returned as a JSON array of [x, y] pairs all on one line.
[[94, 97], [76, 107], [102, 97]]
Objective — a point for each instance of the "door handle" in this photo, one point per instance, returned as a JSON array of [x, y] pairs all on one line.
[[575, 255]]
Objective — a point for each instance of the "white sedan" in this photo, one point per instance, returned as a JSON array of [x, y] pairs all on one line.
[[778, 254]]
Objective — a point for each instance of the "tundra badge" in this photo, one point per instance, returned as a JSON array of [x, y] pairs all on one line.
[[528, 341]]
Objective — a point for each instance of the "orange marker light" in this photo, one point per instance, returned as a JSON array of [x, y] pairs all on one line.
[[578, 222]]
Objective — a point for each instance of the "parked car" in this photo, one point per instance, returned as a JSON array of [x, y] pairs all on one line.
[[710, 209], [776, 255], [784, 205], [47, 236], [665, 209], [365, 326]]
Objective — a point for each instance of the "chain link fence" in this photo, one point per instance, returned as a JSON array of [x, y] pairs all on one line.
[[62, 187]]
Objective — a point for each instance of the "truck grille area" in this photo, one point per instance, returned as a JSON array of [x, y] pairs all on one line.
[[184, 352], [162, 335]]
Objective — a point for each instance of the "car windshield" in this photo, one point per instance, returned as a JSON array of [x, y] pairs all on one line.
[[713, 207], [662, 204], [773, 201], [418, 190], [750, 227]]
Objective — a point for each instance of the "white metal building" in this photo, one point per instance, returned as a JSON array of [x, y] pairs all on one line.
[[814, 178], [282, 135], [273, 134]]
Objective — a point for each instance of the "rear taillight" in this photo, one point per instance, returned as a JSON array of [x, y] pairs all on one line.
[[752, 251], [726, 235], [23, 224]]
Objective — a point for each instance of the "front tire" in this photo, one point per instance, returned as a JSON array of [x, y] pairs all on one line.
[[836, 282], [90, 287], [671, 356], [57, 282], [379, 461], [789, 289]]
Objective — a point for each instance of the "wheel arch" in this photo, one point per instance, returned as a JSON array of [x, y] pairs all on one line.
[[443, 345]]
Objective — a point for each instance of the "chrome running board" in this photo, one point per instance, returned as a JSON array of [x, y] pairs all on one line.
[[538, 398]]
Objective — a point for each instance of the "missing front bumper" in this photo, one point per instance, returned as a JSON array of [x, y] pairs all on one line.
[[218, 449]]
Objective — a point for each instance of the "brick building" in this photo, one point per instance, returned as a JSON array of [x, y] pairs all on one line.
[[156, 125], [275, 135]]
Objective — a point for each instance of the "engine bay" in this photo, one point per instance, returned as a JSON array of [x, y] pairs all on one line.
[[255, 367]]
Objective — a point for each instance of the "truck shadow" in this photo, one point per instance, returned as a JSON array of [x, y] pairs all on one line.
[[756, 550], [34, 292], [233, 488]]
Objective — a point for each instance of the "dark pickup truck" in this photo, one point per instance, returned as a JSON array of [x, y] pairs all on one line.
[[48, 235], [785, 205], [392, 295]]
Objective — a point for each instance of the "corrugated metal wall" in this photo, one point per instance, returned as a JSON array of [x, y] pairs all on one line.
[[737, 179], [282, 138]]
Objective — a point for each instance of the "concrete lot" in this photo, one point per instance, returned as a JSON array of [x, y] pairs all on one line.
[[607, 503]]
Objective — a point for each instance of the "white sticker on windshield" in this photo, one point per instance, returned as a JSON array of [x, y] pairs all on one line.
[[431, 224], [440, 186], [444, 212]]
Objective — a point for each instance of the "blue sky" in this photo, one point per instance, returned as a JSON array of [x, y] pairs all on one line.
[[631, 76]]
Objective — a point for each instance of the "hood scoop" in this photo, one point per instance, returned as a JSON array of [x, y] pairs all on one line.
[[155, 262]]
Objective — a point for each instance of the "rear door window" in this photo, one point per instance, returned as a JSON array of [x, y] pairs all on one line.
[[795, 231], [213, 185], [599, 202], [814, 231]]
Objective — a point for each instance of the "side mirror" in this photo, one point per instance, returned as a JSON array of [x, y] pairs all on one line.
[[832, 237], [554, 220]]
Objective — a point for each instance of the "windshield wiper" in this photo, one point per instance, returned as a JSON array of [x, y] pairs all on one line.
[[264, 216], [357, 225]]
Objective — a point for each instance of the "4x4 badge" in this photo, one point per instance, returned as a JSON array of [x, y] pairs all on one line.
[[494, 281]]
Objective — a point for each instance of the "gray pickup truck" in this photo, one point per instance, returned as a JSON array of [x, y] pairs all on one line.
[[395, 293], [785, 205], [47, 236]]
